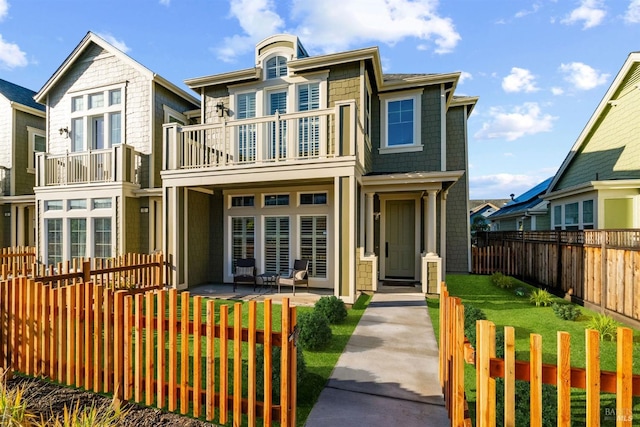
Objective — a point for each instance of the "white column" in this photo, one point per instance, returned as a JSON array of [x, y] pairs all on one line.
[[369, 224], [20, 226], [430, 225]]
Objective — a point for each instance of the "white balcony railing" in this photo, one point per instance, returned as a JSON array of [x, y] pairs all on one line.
[[298, 136], [120, 163]]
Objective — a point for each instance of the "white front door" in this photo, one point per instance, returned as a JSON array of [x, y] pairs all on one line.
[[400, 239]]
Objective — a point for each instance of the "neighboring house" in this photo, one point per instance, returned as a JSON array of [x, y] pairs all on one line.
[[322, 158], [527, 212], [480, 210], [598, 184], [22, 124], [98, 189]]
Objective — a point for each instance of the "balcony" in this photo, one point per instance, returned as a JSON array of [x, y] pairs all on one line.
[[269, 140], [120, 163]]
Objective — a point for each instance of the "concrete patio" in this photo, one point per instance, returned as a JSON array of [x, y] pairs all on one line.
[[303, 297]]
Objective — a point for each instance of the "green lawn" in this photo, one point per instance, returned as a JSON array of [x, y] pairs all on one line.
[[504, 308]]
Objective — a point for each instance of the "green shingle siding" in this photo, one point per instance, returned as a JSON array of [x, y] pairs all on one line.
[[612, 149]]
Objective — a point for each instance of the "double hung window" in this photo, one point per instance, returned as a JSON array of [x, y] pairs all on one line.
[[401, 127], [96, 120]]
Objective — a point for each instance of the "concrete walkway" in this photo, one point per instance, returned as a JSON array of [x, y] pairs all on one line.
[[388, 372]]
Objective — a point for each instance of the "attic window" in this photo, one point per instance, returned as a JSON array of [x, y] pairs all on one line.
[[276, 67]]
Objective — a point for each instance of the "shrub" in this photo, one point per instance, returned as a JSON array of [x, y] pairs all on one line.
[[606, 326], [522, 392], [520, 292], [502, 281], [301, 371], [315, 332], [333, 308], [471, 315], [541, 297], [566, 311]]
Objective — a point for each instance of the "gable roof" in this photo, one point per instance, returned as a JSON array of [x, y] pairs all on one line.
[[90, 38], [607, 101], [384, 82], [19, 95], [524, 202]]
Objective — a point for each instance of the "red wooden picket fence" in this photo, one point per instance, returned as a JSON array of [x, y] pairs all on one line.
[[455, 350], [139, 272], [16, 260], [134, 346]]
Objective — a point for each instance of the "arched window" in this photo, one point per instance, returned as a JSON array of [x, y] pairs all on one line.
[[276, 67]]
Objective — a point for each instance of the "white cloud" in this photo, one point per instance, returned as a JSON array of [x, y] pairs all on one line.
[[464, 76], [4, 9], [258, 20], [501, 185], [10, 55], [557, 90], [525, 12], [633, 12], [523, 120], [508, 154], [590, 12], [334, 25], [582, 76], [165, 2], [118, 44], [520, 80]]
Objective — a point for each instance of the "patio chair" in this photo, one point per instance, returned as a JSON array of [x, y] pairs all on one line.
[[245, 272], [298, 275]]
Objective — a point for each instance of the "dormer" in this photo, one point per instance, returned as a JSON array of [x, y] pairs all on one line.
[[273, 54]]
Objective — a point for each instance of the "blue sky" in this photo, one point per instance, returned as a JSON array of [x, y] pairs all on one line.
[[540, 68]]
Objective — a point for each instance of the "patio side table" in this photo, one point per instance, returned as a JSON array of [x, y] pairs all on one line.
[[270, 279]]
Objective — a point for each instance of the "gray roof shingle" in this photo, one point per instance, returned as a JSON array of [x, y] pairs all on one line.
[[19, 94]]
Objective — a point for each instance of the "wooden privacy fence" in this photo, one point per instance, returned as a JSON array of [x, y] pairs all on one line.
[[597, 267], [131, 272], [592, 379], [158, 348], [16, 260]]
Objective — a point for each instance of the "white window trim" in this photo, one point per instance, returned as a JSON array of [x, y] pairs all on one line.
[[170, 112], [416, 96], [560, 222], [105, 111], [32, 132]]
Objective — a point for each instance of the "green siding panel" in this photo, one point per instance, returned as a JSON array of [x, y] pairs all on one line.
[[618, 213]]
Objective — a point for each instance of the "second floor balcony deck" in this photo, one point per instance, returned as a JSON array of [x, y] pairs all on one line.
[[293, 137], [121, 163]]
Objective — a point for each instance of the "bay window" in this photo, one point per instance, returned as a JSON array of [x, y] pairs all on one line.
[[243, 238], [54, 241], [102, 237]]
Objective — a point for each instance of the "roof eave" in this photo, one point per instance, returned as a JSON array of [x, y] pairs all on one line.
[[600, 109], [217, 79], [27, 109], [73, 56]]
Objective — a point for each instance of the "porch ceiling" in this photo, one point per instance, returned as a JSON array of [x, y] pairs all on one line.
[[411, 181]]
